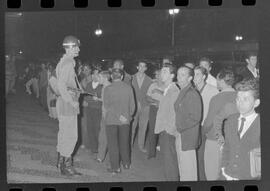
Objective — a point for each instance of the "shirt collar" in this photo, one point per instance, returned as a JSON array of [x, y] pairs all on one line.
[[252, 115]]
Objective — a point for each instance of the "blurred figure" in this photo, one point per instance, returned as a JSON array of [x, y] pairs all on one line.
[[154, 95], [104, 78], [86, 78], [33, 80], [140, 84], [10, 73], [43, 84], [51, 95], [93, 110], [207, 64], [212, 155]]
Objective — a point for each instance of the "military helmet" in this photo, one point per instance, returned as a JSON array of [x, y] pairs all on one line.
[[71, 41]]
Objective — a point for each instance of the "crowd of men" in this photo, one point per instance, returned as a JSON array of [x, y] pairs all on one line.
[[205, 128]]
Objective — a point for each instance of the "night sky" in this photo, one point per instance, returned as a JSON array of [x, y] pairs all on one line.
[[40, 34]]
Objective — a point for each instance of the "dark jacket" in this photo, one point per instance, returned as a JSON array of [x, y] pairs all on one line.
[[244, 73], [127, 78], [236, 152], [118, 100], [97, 91], [141, 93], [188, 116]]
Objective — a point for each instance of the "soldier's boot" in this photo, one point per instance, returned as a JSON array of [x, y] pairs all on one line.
[[68, 169], [75, 171]]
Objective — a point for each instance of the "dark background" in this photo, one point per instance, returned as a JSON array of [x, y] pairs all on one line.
[[134, 34]]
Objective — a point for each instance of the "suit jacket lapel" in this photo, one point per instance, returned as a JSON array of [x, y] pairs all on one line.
[[235, 127], [145, 82], [183, 93], [252, 129]]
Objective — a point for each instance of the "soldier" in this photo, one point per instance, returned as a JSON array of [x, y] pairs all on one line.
[[67, 105]]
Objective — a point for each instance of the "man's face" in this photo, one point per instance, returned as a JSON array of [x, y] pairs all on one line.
[[246, 102], [142, 67], [252, 61], [118, 65], [157, 75], [165, 74], [43, 66], [183, 77], [220, 83], [86, 71], [73, 51], [198, 77], [206, 65]]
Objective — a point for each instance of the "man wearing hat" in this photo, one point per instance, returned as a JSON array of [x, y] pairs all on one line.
[[67, 105]]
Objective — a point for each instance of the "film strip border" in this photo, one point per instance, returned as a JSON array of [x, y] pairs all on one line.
[[96, 4], [45, 5]]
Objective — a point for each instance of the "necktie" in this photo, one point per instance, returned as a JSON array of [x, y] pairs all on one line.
[[241, 126]]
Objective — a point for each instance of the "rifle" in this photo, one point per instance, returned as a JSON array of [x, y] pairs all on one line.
[[80, 91]]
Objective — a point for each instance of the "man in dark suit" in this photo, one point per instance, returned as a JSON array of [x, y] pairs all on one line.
[[242, 135], [140, 83], [249, 71], [188, 116]]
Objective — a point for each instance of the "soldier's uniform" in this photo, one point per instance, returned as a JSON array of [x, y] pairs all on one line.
[[67, 114]]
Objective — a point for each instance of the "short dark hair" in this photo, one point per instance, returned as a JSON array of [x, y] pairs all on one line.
[[227, 75], [206, 59], [120, 61], [251, 53], [249, 85], [142, 61], [186, 64], [117, 74], [203, 71]]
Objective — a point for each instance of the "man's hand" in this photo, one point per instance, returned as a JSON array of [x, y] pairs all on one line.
[[221, 140], [123, 119]]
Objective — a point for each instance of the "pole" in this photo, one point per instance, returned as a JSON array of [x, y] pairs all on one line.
[[173, 30]]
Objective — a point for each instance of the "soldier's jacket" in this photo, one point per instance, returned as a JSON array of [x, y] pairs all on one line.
[[66, 77]]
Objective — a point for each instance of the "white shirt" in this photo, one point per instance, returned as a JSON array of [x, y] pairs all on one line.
[[207, 93], [255, 72], [95, 84], [247, 123], [211, 80]]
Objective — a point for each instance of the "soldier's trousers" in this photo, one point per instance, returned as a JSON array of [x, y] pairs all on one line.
[[67, 135]]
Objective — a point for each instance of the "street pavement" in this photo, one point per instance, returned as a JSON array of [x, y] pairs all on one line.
[[31, 150]]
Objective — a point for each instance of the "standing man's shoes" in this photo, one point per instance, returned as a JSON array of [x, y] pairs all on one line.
[[114, 171], [66, 167], [126, 166]]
